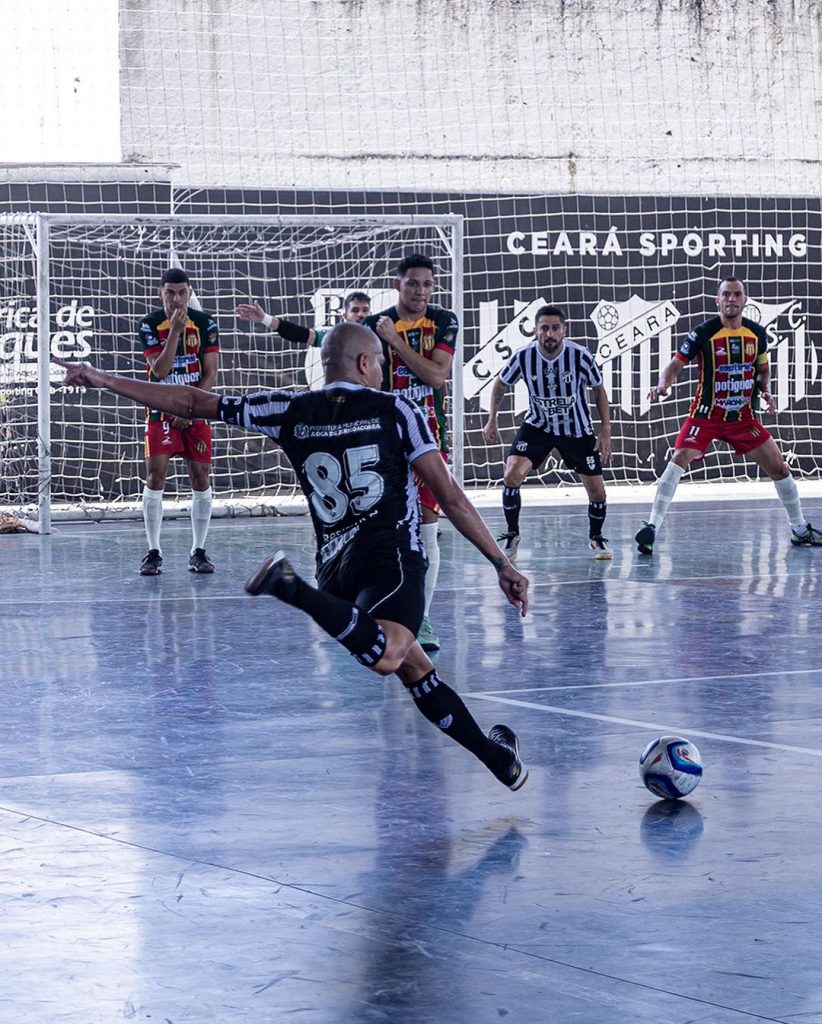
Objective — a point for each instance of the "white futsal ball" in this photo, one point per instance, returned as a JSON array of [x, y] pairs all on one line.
[[670, 767]]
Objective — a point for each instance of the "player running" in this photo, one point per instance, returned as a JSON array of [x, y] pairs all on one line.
[[557, 374], [353, 449], [731, 354]]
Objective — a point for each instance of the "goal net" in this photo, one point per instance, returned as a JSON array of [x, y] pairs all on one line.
[[83, 454], [634, 274]]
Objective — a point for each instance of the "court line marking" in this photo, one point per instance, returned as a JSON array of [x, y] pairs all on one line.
[[653, 727], [655, 682]]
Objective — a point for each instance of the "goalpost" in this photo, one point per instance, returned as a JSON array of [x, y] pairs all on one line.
[[81, 456]]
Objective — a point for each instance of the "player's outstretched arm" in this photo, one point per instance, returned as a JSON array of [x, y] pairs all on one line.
[[176, 399], [666, 379], [252, 311], [466, 519]]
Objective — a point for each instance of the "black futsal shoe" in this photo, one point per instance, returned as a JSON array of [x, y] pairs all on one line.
[[152, 564], [645, 539], [275, 576], [808, 538], [200, 562], [514, 775]]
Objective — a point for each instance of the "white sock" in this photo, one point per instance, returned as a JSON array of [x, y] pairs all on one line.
[[153, 517], [789, 496], [200, 516], [665, 490], [432, 549]]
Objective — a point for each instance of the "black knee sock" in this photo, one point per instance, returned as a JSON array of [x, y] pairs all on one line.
[[511, 504], [350, 625], [445, 709], [596, 517]]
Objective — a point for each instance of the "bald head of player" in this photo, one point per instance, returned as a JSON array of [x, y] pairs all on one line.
[[352, 353]]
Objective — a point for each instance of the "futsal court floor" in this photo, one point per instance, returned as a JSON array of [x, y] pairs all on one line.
[[211, 813]]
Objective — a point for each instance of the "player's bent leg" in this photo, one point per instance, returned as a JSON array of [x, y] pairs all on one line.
[[665, 490], [516, 470], [156, 469], [202, 499], [430, 526], [351, 626], [769, 458], [443, 707], [597, 511]]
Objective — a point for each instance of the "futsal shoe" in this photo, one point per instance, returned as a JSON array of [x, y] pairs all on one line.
[[200, 562], [514, 775], [809, 537], [645, 539], [599, 546], [152, 564], [427, 638], [509, 542], [274, 577]]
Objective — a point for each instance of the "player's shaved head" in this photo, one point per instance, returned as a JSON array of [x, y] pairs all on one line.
[[352, 352]]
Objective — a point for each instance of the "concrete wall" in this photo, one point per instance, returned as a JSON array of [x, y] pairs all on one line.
[[669, 96]]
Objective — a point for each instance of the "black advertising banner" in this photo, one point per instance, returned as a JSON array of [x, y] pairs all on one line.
[[633, 273]]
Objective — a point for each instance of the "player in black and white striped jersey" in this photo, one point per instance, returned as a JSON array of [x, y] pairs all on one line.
[[353, 448], [557, 373]]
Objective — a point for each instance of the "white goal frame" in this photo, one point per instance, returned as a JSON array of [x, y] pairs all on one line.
[[38, 229]]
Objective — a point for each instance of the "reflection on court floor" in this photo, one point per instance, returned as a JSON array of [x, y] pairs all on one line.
[[211, 813]]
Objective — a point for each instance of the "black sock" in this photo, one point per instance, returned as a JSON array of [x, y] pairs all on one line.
[[445, 709], [511, 504], [596, 517], [350, 625]]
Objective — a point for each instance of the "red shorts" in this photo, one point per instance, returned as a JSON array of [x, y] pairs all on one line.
[[427, 499], [194, 443], [742, 435]]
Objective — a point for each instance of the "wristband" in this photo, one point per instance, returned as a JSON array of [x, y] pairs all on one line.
[[267, 320]]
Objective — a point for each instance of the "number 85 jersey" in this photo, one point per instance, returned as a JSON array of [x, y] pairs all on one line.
[[352, 448]]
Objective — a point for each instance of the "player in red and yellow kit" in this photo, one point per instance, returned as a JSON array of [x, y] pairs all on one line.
[[181, 346], [419, 341], [732, 357]]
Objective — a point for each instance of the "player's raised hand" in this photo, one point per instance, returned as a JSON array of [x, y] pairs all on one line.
[[490, 432], [515, 587], [253, 312], [81, 375], [178, 319], [388, 332]]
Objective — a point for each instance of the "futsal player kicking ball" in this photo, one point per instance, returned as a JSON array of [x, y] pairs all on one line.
[[353, 448], [732, 356]]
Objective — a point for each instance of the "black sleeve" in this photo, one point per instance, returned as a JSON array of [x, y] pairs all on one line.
[[294, 332]]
